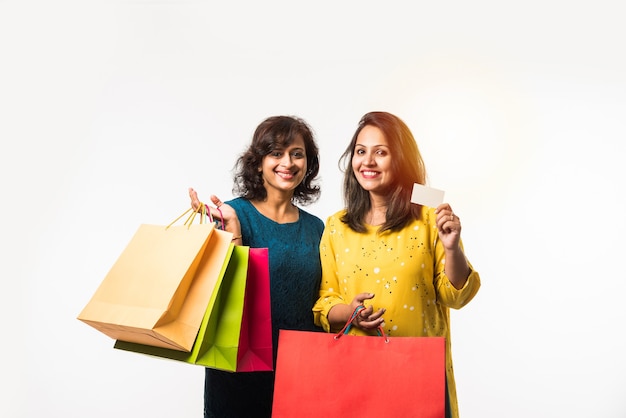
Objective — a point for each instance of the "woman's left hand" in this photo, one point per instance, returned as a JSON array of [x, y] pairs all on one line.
[[449, 226]]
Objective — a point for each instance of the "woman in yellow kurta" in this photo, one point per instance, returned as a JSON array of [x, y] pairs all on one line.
[[405, 260]]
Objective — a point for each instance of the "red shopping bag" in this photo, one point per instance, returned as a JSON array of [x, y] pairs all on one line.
[[337, 375], [255, 340]]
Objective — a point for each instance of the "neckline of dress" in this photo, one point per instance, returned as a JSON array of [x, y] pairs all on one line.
[[274, 221]]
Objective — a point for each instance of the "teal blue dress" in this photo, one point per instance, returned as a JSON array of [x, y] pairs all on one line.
[[295, 274]]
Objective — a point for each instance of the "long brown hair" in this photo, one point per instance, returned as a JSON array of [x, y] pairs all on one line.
[[407, 167]]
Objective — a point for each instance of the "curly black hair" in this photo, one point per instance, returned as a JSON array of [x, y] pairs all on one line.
[[277, 132]]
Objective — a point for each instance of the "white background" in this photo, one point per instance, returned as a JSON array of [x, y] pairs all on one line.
[[110, 110]]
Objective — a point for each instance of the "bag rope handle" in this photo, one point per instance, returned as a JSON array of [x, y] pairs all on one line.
[[348, 325], [221, 217]]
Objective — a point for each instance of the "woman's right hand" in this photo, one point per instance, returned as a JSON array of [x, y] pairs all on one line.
[[367, 318], [225, 213]]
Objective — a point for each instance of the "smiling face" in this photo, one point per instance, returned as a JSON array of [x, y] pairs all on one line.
[[371, 161], [283, 169]]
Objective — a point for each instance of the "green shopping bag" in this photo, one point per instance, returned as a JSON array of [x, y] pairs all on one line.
[[217, 343]]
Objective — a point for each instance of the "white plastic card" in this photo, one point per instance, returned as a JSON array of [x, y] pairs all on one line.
[[427, 196]]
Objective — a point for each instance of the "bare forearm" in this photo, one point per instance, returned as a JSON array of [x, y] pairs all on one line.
[[457, 268], [339, 315]]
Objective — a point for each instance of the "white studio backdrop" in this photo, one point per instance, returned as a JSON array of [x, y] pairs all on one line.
[[110, 110]]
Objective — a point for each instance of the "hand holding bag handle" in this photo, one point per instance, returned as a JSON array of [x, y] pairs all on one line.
[[348, 325]]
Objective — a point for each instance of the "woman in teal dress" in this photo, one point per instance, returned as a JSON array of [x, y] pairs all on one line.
[[275, 173]]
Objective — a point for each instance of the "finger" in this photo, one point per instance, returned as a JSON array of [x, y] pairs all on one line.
[[365, 313], [195, 202], [372, 320], [216, 201], [443, 207], [376, 315], [361, 297], [442, 220], [446, 220], [451, 224], [373, 324]]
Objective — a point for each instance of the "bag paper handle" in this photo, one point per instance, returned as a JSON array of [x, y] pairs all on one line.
[[348, 325], [204, 212]]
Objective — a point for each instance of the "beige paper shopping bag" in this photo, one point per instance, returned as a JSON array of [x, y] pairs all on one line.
[[157, 291]]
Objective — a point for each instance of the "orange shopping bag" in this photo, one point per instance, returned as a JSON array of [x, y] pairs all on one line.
[[157, 291], [236, 333]]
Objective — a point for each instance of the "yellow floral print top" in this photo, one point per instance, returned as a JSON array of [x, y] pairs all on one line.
[[405, 271]]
